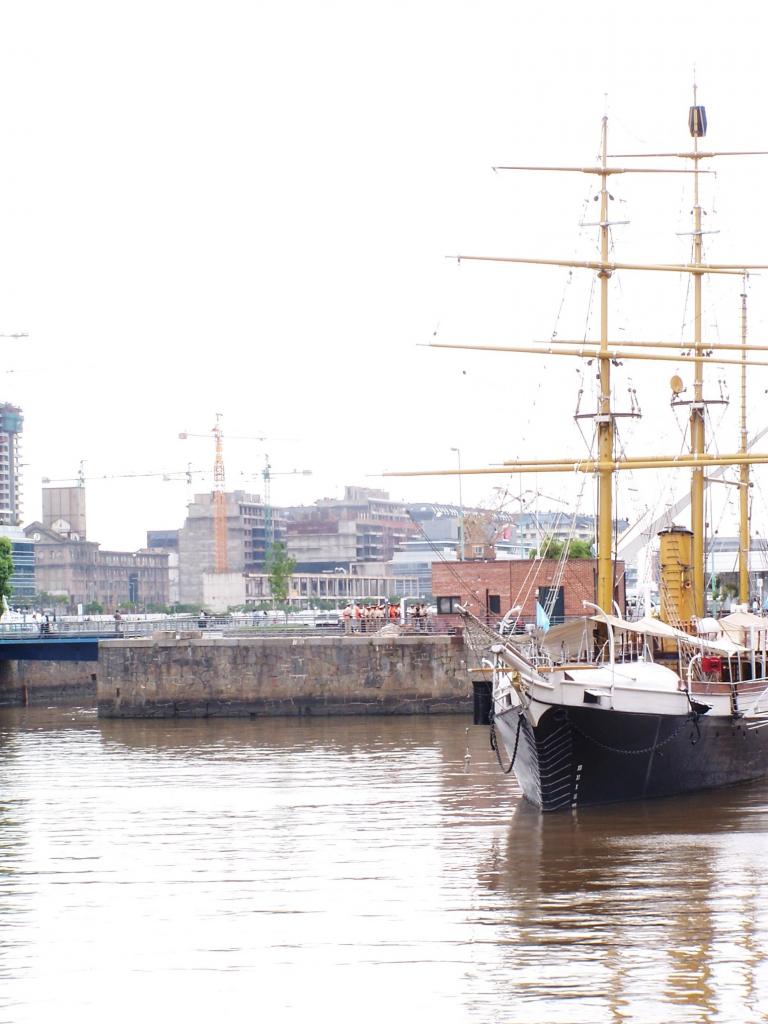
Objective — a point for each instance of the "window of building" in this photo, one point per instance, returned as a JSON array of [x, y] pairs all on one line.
[[494, 604], [448, 605]]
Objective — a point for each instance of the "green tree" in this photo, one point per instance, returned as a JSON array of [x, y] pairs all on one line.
[[6, 571], [551, 547], [46, 600], [94, 608], [580, 549], [279, 566]]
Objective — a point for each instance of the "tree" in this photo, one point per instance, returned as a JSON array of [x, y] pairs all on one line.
[[94, 608], [279, 567], [46, 600], [6, 571], [551, 547], [580, 549]]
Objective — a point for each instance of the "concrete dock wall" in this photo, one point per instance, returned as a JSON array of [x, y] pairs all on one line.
[[47, 682], [196, 677]]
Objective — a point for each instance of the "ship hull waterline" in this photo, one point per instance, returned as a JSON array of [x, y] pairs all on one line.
[[580, 757]]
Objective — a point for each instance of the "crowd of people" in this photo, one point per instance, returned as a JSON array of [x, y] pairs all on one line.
[[369, 618]]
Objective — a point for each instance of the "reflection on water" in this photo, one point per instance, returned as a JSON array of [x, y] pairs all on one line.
[[356, 869]]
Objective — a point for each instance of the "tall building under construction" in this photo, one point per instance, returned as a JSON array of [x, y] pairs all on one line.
[[11, 422], [251, 528]]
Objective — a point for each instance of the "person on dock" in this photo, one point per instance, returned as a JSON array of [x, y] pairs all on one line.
[[346, 617]]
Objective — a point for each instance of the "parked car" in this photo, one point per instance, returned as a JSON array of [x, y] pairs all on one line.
[[328, 620]]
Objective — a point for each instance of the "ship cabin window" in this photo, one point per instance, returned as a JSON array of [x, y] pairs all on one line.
[[448, 605]]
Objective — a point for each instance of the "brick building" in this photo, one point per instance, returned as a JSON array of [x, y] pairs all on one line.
[[491, 588]]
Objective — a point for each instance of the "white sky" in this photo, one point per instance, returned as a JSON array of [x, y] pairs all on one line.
[[245, 207]]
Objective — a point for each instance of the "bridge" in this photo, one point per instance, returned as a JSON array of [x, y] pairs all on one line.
[[66, 640]]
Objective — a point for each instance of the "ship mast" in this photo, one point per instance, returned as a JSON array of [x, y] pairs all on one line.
[[604, 420], [606, 464], [744, 467], [697, 123]]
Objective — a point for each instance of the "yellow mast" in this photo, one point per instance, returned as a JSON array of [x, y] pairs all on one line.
[[605, 465], [744, 467], [698, 127], [711, 346], [605, 432], [590, 353], [590, 465]]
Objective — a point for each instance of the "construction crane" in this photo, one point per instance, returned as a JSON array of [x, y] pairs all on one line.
[[165, 475], [269, 524], [219, 496]]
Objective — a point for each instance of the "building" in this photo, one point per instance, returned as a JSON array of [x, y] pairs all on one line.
[[533, 528], [23, 582], [11, 423], [304, 589], [64, 511], [491, 589], [80, 571], [440, 528], [364, 527], [248, 525], [168, 541]]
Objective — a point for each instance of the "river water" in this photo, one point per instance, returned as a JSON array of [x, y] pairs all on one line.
[[357, 870]]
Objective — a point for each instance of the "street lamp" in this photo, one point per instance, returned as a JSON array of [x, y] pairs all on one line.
[[461, 509]]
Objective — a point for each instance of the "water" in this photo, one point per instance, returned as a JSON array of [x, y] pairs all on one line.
[[356, 870]]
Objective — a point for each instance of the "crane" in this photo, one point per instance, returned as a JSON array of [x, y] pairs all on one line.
[[165, 475], [269, 525], [219, 498]]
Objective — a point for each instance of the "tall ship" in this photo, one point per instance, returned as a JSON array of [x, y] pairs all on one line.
[[602, 708]]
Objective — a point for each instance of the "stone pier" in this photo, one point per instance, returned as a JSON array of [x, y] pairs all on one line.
[[199, 676], [47, 682]]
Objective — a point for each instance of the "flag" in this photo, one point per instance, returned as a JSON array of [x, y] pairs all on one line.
[[542, 619]]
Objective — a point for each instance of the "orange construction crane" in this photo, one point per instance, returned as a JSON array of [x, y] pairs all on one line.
[[219, 495]]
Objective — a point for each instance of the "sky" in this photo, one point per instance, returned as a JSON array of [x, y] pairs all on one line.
[[248, 209]]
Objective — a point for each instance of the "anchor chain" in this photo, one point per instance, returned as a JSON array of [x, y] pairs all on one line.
[[691, 719], [495, 742]]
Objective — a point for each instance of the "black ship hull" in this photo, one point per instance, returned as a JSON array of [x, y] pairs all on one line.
[[577, 757]]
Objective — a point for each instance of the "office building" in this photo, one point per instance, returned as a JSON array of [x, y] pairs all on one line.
[[11, 423]]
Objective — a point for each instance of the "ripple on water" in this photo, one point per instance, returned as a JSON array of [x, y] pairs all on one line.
[[354, 868]]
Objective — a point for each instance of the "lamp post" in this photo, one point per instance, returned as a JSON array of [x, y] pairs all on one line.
[[461, 508]]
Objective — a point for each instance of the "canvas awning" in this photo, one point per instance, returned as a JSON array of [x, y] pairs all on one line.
[[568, 640], [648, 626], [744, 628]]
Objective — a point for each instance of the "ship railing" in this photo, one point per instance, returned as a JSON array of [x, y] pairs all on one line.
[[752, 697]]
